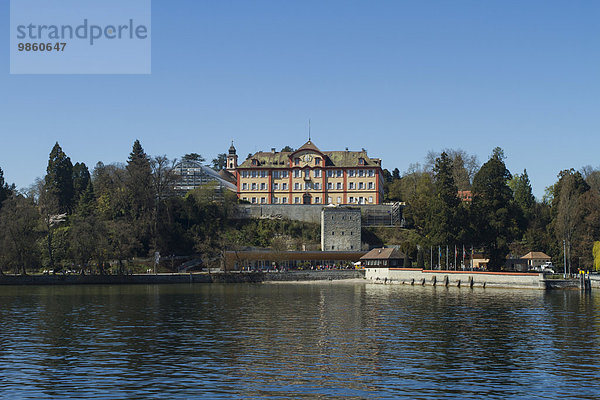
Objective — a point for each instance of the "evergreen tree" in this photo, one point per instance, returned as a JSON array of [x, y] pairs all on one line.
[[444, 221], [523, 194], [496, 218], [139, 181], [81, 180], [190, 157], [141, 198], [220, 162], [5, 190], [59, 180], [396, 174]]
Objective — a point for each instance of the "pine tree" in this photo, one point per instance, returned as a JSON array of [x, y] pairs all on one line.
[[141, 197], [81, 179], [5, 190], [59, 179], [523, 193], [444, 223], [496, 218], [139, 181]]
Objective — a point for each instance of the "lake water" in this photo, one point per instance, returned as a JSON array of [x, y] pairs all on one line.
[[294, 340]]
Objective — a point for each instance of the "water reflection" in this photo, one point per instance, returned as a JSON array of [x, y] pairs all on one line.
[[327, 340]]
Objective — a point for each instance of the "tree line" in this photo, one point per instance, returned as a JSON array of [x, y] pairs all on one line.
[[503, 218], [102, 219]]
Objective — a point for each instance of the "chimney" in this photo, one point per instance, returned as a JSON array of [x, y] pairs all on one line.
[[273, 150], [346, 149]]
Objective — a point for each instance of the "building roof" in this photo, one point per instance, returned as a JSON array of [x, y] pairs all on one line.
[[385, 253], [535, 255], [308, 146], [199, 171], [228, 176], [338, 159]]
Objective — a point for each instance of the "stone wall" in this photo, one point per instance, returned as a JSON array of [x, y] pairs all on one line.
[[300, 212], [340, 229], [329, 275], [413, 276], [204, 277]]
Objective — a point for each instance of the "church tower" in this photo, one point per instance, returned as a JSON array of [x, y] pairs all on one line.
[[232, 160]]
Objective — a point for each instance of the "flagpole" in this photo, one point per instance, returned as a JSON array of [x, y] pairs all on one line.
[[471, 257], [455, 255], [447, 268], [431, 259]]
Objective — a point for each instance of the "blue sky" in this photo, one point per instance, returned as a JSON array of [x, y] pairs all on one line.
[[398, 78]]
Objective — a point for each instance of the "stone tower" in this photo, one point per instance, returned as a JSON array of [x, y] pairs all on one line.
[[232, 160]]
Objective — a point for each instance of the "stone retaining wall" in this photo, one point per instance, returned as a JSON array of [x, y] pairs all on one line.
[[413, 276], [204, 277]]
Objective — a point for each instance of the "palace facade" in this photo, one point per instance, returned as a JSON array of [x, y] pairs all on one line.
[[308, 176]]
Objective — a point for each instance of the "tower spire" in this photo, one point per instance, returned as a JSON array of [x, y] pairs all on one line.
[[309, 129]]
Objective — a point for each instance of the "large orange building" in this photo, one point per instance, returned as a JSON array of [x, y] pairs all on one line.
[[308, 176]]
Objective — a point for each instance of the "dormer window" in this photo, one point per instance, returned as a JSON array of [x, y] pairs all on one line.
[[361, 161], [254, 161], [296, 161], [318, 161]]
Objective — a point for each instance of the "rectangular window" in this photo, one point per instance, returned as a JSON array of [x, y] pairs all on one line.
[[307, 173], [274, 200], [329, 200], [370, 199], [284, 200], [306, 185], [244, 186], [317, 186], [318, 161], [339, 200], [254, 200], [254, 174], [339, 186], [361, 185], [339, 173], [244, 174], [361, 172], [297, 200], [371, 172], [317, 200], [263, 186], [254, 186], [361, 200], [284, 186], [370, 185], [351, 173], [317, 173], [263, 174], [276, 186], [351, 199], [296, 186], [351, 185], [245, 198], [263, 200], [296, 173], [330, 173], [276, 174], [284, 174], [330, 185], [296, 161]]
